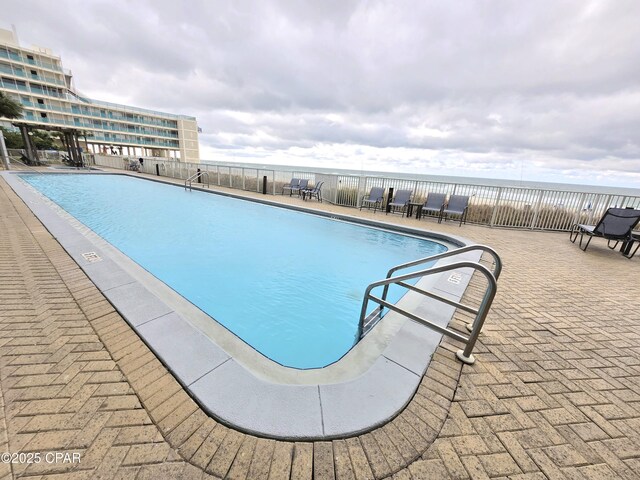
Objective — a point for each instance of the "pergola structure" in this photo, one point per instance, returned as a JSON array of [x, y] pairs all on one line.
[[69, 137]]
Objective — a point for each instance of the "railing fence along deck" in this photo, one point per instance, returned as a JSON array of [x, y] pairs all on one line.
[[514, 207]]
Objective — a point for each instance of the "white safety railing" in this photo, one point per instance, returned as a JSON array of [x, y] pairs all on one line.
[[514, 207]]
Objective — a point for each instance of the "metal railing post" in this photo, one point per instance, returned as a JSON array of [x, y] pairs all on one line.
[[466, 355], [362, 186], [534, 218], [496, 205], [576, 217]]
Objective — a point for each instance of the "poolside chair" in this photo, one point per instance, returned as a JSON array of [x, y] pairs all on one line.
[[401, 200], [626, 248], [616, 224], [134, 166], [316, 191], [303, 185], [289, 186], [376, 195], [457, 205], [434, 203]]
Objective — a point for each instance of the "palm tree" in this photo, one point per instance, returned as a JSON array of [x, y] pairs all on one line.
[[9, 108]]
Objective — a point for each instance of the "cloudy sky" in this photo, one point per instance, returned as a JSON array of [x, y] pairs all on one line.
[[544, 90]]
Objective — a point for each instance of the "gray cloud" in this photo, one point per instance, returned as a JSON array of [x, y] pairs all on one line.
[[484, 86]]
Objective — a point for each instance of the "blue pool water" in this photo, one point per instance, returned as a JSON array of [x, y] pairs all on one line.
[[289, 284]]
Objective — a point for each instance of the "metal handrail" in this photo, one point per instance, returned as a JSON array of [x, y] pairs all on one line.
[[188, 182], [496, 258], [466, 355]]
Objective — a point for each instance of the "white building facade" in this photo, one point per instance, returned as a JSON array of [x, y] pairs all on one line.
[[36, 78]]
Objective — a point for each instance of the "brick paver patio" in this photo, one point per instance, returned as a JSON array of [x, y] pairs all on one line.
[[555, 392]]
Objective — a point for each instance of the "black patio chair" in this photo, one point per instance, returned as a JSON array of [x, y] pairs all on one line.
[[616, 225], [626, 248], [401, 200], [303, 185], [434, 203], [376, 195], [316, 191], [292, 184], [457, 205]]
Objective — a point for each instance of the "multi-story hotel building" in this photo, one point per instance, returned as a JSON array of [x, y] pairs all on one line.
[[35, 77]]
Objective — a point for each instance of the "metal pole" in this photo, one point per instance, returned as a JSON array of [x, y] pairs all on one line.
[[495, 208], [3, 152], [536, 212], [387, 208], [466, 355]]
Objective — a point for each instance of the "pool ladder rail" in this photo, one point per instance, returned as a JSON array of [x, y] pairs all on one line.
[[367, 322], [197, 176]]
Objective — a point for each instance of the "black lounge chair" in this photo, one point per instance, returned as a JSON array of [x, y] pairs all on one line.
[[457, 205], [134, 166], [376, 195], [303, 185], [289, 186], [401, 200], [626, 247], [616, 224], [434, 203], [316, 191]]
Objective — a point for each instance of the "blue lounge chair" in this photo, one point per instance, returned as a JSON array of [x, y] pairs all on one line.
[[316, 191], [457, 205], [616, 224], [376, 195], [434, 204], [303, 185], [401, 200], [292, 184]]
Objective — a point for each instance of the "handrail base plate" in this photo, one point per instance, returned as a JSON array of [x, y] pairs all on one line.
[[470, 360]]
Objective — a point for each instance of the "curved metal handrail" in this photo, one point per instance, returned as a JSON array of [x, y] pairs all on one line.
[[465, 355], [496, 258], [188, 182]]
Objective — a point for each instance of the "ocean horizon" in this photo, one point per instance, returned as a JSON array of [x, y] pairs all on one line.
[[479, 181]]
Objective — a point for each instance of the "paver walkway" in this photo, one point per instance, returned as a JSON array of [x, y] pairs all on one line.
[[555, 392]]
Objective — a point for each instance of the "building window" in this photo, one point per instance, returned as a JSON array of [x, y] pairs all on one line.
[[43, 115], [40, 101]]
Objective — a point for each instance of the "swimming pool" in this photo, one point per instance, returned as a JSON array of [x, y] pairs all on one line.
[[289, 284]]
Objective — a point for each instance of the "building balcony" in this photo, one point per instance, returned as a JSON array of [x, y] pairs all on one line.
[[18, 57]]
